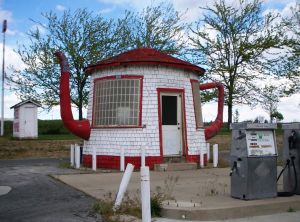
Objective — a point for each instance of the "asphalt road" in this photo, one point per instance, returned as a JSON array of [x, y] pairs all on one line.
[[36, 197]]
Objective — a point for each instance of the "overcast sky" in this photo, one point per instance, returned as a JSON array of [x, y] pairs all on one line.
[[20, 14]]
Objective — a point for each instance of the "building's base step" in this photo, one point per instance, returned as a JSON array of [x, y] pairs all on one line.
[[175, 159], [175, 166]]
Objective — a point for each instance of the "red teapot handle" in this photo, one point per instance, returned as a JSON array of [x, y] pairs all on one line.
[[215, 127]]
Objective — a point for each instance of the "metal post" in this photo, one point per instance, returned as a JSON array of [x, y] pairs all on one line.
[[3, 77]]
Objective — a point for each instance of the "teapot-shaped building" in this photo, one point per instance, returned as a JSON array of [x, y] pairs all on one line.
[[141, 98]]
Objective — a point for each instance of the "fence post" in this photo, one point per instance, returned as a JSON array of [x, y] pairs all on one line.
[[145, 194], [208, 151], [94, 159], [143, 156], [215, 155], [77, 156], [201, 155], [72, 147], [123, 186], [122, 159]]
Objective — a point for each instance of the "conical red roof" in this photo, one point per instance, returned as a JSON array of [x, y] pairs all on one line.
[[144, 56]]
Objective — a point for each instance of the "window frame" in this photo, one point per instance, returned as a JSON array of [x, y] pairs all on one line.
[[136, 77], [201, 124]]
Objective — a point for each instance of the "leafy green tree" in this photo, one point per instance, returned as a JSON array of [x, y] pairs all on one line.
[[235, 41], [159, 27], [269, 98], [236, 116], [277, 115], [83, 36], [290, 65]]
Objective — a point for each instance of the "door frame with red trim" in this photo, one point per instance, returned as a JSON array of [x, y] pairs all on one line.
[[180, 92]]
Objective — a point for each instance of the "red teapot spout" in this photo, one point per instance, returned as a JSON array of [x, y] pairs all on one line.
[[215, 127], [80, 128]]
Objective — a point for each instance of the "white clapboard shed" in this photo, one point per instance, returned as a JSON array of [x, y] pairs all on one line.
[[25, 125]]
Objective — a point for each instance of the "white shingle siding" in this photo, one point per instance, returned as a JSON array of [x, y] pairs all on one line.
[[109, 140], [27, 121]]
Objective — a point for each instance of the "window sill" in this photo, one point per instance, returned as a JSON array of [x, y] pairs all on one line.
[[117, 127]]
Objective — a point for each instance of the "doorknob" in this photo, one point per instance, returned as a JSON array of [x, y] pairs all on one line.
[[178, 128]]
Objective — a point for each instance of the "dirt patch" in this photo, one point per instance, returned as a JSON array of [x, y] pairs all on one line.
[[15, 149], [224, 141]]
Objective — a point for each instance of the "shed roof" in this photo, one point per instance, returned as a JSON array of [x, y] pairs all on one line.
[[143, 56], [25, 102]]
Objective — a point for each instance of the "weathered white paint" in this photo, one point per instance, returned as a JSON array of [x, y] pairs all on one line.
[[143, 156], [145, 194], [208, 151], [201, 158], [123, 185], [172, 134], [94, 159], [72, 155], [25, 122], [77, 156], [122, 159], [108, 141], [215, 155]]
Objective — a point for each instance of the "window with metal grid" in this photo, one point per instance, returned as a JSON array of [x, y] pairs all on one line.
[[117, 102]]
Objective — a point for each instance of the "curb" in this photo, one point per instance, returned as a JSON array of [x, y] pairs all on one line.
[[224, 213]]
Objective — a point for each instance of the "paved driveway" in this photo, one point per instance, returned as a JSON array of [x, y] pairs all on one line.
[[36, 197]]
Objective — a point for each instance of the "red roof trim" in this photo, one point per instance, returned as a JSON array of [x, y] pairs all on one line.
[[144, 56]]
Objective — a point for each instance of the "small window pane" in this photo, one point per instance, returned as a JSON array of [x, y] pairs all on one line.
[[169, 110]]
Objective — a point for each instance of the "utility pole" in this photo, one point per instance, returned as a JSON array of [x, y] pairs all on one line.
[[4, 27]]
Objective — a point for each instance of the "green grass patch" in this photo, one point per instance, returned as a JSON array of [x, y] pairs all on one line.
[[290, 210], [65, 165], [45, 127], [57, 137]]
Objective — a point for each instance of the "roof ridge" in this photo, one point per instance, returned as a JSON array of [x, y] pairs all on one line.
[[146, 56]]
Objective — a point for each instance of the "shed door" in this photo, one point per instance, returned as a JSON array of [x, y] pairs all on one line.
[[171, 124], [29, 122]]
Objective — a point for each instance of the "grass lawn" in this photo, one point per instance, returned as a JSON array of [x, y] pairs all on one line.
[[58, 137], [45, 146], [57, 145]]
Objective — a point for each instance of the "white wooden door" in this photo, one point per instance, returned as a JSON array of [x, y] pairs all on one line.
[[29, 122], [171, 113]]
